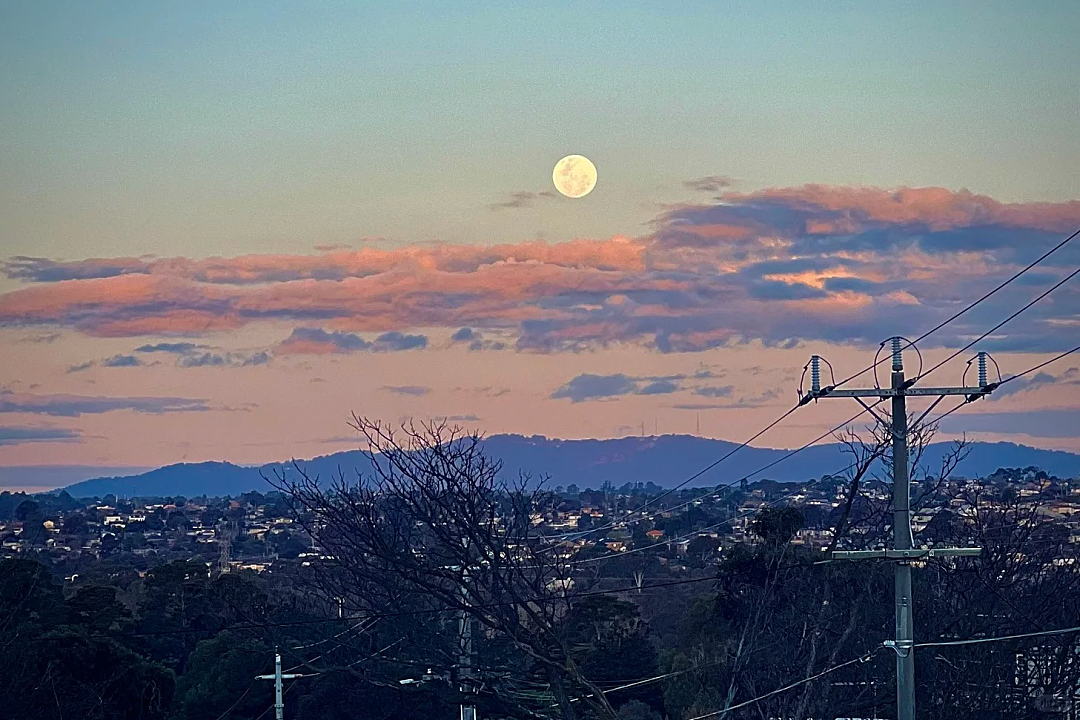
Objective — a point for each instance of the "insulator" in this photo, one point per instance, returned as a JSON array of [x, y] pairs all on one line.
[[815, 373], [897, 358], [982, 369]]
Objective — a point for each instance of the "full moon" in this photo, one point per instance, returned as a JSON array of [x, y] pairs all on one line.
[[574, 176]]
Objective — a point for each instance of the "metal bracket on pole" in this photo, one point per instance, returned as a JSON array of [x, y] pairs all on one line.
[[902, 648]]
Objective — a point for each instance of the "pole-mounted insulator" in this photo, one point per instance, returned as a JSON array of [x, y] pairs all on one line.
[[897, 357], [982, 369], [815, 373]]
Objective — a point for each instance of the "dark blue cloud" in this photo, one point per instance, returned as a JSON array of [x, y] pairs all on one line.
[[206, 359], [121, 361], [715, 391], [1033, 382], [594, 387], [1037, 278], [396, 342], [463, 334], [1032, 338], [342, 341], [522, 199], [760, 399], [298, 314], [75, 405], [1019, 243], [659, 387], [260, 358], [18, 435], [188, 355], [475, 340], [45, 270], [349, 342], [777, 290], [179, 348], [709, 183], [191, 355], [413, 390]]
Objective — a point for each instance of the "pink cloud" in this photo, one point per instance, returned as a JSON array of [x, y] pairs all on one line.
[[778, 265]]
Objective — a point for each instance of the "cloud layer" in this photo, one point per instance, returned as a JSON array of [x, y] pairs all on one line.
[[779, 265], [74, 405], [588, 386], [17, 435], [316, 341]]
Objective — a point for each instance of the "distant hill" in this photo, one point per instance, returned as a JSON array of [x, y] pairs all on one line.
[[38, 478], [665, 460]]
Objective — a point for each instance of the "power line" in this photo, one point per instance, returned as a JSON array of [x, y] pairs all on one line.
[[624, 553], [865, 658], [925, 335], [933, 330], [942, 324], [808, 485], [233, 706], [717, 488], [1046, 292], [1041, 365], [784, 689], [665, 676], [239, 699], [1009, 379], [1000, 638]]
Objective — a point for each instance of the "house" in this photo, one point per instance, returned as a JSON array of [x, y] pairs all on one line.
[[654, 534]]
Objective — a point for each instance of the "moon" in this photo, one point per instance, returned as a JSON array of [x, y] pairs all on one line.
[[574, 176]]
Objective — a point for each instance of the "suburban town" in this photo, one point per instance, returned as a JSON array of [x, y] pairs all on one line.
[[257, 532]]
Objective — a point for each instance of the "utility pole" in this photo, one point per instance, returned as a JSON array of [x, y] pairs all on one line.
[[902, 551], [465, 658], [277, 677]]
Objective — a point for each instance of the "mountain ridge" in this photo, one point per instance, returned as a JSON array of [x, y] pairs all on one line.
[[665, 460]]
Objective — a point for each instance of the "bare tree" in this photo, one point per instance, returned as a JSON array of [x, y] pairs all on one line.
[[1026, 580], [864, 455], [865, 518], [434, 525]]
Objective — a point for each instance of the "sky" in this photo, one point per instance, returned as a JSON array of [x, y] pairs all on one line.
[[225, 226]]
